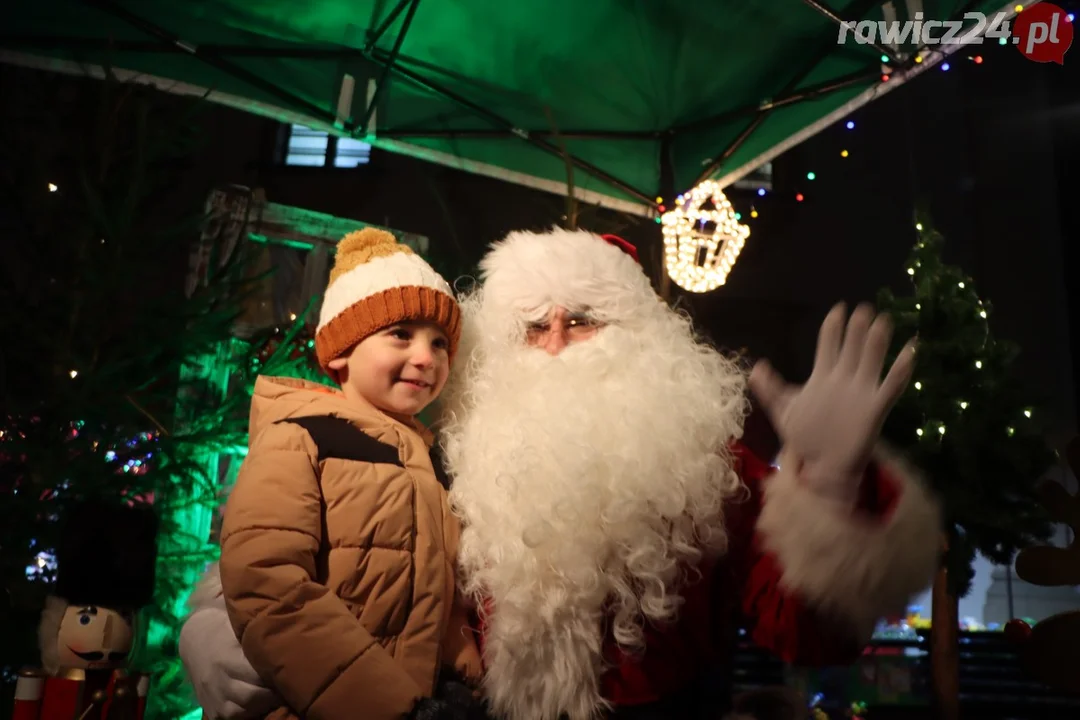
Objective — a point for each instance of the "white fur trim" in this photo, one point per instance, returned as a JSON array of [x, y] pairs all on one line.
[[48, 632], [527, 271], [400, 269], [207, 592], [857, 568]]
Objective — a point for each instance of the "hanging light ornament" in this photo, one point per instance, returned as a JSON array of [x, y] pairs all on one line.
[[698, 257]]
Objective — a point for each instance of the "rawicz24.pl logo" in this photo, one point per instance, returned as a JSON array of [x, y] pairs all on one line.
[[1042, 32]]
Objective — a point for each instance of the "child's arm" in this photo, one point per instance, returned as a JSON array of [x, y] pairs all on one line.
[[296, 633], [460, 650]]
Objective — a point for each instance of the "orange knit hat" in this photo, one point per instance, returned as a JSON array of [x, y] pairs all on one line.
[[377, 282]]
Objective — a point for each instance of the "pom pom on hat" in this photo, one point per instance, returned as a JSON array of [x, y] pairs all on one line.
[[378, 282]]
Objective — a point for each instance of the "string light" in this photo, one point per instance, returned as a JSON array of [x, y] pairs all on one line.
[[911, 271], [918, 58], [753, 212], [696, 259], [810, 176], [918, 226], [1027, 414], [850, 125], [918, 385], [761, 192], [799, 197], [945, 67], [960, 285], [53, 187], [1019, 8], [963, 404], [978, 364], [843, 153], [919, 432], [74, 374]]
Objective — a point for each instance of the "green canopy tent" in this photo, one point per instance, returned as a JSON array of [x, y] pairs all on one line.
[[643, 98]]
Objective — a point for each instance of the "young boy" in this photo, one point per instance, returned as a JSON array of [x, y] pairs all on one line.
[[338, 547]]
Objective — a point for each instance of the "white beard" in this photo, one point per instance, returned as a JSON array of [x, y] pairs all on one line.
[[588, 484]]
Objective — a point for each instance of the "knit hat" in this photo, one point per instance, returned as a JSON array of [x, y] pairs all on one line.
[[377, 282]]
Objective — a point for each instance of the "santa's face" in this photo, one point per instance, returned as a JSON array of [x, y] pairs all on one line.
[[94, 637]]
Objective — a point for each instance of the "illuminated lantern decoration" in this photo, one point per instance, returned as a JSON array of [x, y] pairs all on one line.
[[702, 239]]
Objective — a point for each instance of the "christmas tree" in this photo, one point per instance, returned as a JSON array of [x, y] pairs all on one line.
[[101, 335], [968, 424]]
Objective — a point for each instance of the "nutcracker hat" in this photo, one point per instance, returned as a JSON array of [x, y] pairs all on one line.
[[107, 555], [526, 273], [378, 282]]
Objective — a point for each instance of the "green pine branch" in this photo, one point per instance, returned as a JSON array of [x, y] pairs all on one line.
[[965, 420]]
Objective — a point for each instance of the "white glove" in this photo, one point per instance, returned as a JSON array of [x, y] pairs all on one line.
[[829, 426], [226, 685]]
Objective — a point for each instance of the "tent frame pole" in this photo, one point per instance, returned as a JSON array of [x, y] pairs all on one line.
[[386, 60], [388, 66], [221, 51], [831, 14], [382, 58], [809, 93], [788, 89], [377, 33], [208, 57]]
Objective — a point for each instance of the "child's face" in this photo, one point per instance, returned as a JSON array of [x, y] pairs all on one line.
[[400, 369]]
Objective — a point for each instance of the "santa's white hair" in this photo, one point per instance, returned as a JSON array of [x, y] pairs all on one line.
[[590, 484]]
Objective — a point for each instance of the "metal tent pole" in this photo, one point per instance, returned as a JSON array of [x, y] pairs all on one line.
[[211, 59], [790, 87], [389, 64]]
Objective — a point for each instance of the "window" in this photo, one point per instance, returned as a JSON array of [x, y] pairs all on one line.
[[315, 148], [350, 152]]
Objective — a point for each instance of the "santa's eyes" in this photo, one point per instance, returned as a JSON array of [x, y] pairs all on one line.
[[571, 323], [84, 619]]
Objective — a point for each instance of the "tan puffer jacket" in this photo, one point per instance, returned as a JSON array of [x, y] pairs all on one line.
[[337, 553]]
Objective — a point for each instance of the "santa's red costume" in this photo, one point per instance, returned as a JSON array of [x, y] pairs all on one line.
[[616, 533]]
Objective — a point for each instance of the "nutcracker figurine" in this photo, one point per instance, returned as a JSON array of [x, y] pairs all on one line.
[[105, 574]]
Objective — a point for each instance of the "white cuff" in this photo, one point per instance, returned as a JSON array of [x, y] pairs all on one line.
[[850, 565]]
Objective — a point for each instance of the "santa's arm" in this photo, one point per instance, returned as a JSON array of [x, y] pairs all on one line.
[[817, 574]]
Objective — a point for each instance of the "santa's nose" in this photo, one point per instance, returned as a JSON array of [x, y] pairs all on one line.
[[106, 635], [557, 339]]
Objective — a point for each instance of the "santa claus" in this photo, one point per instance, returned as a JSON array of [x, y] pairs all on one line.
[[616, 533]]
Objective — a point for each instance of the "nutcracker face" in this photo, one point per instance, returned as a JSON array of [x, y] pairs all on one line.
[[94, 637]]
